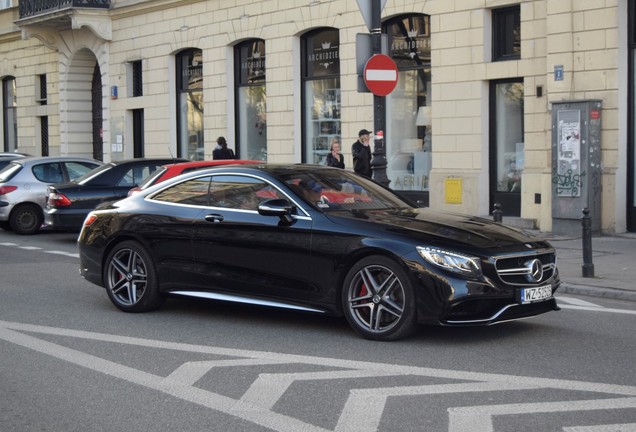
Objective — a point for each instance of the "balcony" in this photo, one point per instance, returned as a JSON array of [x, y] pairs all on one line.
[[33, 8], [49, 17]]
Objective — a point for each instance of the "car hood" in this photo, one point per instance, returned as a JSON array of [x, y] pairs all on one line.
[[447, 229]]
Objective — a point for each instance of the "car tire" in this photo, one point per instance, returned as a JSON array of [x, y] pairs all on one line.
[[130, 278], [378, 299], [26, 219]]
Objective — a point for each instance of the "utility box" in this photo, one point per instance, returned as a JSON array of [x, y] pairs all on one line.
[[576, 165]]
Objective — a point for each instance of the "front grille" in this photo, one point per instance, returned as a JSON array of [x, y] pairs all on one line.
[[518, 269]]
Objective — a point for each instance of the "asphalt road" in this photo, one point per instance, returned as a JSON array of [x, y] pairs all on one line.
[[70, 361]]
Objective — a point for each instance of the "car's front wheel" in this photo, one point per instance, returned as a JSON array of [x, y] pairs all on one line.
[[378, 299], [26, 219], [131, 279]]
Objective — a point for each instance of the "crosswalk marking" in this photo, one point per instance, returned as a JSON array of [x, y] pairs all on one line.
[[362, 411]]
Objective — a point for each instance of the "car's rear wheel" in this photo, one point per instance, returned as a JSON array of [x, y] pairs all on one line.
[[26, 219], [378, 299], [131, 279]]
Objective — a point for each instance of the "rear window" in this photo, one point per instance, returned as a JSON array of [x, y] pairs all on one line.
[[152, 177], [9, 172]]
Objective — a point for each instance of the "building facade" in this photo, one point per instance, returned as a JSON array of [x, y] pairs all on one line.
[[528, 104]]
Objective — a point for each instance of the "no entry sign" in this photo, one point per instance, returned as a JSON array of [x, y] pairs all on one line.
[[380, 74]]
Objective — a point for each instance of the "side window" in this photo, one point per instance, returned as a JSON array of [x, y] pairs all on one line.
[[49, 172], [77, 169], [190, 192], [240, 193]]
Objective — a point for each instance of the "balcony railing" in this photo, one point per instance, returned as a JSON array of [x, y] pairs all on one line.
[[31, 8]]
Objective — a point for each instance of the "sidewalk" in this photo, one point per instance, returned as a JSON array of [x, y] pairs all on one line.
[[614, 260]]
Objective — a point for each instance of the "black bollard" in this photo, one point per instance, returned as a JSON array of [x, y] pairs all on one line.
[[497, 213], [586, 224]]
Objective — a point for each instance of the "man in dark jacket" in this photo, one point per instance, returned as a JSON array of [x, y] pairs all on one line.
[[361, 152]]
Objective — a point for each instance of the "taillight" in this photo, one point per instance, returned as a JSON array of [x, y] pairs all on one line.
[[90, 219], [57, 200], [6, 189]]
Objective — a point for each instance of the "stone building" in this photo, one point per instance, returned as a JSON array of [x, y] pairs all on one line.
[[472, 121]]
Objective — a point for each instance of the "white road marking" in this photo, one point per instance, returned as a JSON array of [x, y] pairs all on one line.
[[361, 412], [599, 309], [8, 244], [30, 247], [628, 427], [479, 418], [69, 254], [577, 302]]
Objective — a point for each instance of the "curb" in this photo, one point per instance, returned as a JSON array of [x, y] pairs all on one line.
[[608, 293]]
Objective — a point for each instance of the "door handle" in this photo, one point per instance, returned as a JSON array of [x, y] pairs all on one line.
[[214, 218]]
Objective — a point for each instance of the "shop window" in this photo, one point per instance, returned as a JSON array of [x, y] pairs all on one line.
[[409, 140], [9, 114], [506, 23], [251, 98], [190, 104], [321, 93]]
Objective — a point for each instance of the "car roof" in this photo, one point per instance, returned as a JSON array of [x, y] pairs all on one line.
[[36, 159], [163, 160], [211, 163]]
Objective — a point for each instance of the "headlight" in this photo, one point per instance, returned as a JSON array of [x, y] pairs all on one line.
[[451, 261]]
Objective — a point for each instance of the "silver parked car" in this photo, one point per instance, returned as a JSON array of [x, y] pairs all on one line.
[[23, 184]]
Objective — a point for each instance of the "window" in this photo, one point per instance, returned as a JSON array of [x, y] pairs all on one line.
[[49, 172], [9, 114], [408, 149], [42, 93], [321, 93], [251, 112], [44, 135], [190, 192], [240, 193], [137, 79], [78, 169], [506, 23], [135, 175], [190, 104]]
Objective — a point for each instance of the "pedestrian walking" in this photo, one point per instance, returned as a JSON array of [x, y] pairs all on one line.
[[361, 153], [222, 151]]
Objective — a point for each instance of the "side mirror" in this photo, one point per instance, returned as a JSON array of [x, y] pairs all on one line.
[[277, 207]]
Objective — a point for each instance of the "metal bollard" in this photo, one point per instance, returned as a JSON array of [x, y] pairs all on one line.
[[497, 213], [586, 224]]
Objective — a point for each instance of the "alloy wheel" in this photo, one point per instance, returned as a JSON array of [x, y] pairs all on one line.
[[127, 277], [376, 299]]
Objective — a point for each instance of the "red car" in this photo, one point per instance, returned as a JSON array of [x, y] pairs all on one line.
[[172, 170]]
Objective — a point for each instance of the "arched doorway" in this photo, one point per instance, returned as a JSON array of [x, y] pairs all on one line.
[[81, 107]]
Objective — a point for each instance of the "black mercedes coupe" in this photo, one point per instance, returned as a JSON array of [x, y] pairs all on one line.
[[314, 239]]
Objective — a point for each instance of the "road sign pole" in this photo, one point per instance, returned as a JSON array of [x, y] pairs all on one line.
[[378, 162]]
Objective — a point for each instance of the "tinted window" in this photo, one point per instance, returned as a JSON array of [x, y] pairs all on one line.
[[190, 192], [240, 193], [507, 33], [49, 172], [152, 177]]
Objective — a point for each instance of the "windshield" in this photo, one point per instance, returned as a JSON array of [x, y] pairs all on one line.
[[336, 189]]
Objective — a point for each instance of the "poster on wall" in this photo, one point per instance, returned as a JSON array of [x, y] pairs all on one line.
[[569, 153]]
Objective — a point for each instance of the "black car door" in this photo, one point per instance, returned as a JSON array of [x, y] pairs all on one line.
[[238, 250]]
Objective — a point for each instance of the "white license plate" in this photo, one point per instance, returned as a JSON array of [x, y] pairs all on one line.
[[529, 295]]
